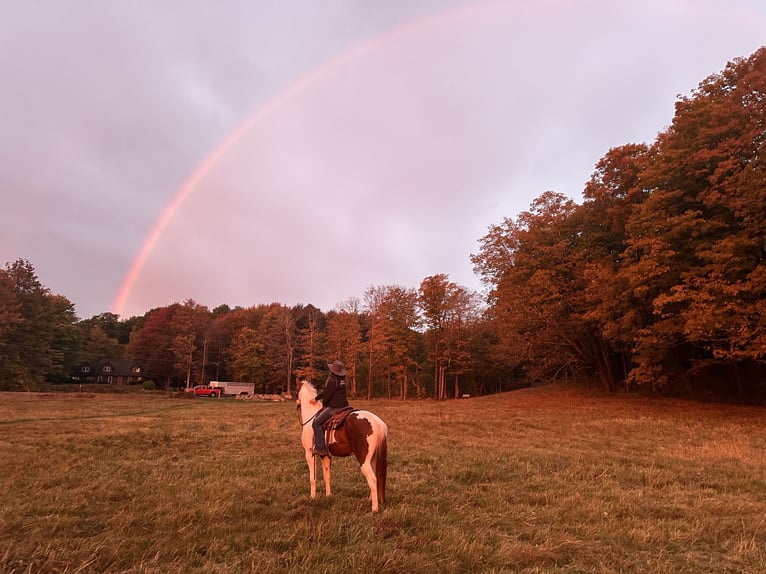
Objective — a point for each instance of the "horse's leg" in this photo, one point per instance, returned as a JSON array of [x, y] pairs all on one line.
[[326, 463], [326, 473], [372, 480], [312, 472]]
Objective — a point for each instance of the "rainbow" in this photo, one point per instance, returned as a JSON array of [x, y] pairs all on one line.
[[296, 87]]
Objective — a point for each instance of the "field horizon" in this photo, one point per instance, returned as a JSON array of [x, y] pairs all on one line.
[[555, 478]]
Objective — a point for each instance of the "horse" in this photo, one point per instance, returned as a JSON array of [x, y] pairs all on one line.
[[362, 434]]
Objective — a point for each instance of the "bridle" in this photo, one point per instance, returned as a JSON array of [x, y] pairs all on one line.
[[311, 418]]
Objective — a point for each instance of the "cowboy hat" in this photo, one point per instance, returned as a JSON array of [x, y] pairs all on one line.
[[337, 368]]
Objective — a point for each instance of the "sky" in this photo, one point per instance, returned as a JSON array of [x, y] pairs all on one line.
[[244, 152]]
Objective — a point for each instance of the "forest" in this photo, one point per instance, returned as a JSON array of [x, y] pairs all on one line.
[[654, 282]]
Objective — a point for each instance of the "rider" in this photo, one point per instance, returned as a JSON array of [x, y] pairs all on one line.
[[333, 397]]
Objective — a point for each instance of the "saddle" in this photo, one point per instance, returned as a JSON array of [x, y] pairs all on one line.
[[337, 419]]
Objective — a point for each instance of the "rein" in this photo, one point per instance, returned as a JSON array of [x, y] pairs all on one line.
[[311, 418]]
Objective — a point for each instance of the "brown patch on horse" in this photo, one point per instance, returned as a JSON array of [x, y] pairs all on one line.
[[351, 438]]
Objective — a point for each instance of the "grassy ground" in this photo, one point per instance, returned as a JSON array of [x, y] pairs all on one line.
[[539, 480]]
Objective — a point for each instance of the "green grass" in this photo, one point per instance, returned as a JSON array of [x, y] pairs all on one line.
[[550, 479]]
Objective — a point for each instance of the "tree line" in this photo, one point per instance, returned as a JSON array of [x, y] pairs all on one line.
[[396, 342], [656, 281]]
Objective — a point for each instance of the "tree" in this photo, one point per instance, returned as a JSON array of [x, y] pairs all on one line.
[[432, 300], [309, 322], [610, 307], [97, 344], [150, 344], [534, 293], [277, 334], [344, 339], [399, 320], [543, 294], [463, 314], [224, 326], [188, 325], [695, 249], [448, 310], [247, 356], [40, 338], [10, 318], [111, 325], [375, 339], [65, 338]]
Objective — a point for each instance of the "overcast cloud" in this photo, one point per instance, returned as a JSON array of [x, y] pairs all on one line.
[[384, 138]]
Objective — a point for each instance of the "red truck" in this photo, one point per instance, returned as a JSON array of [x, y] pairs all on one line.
[[204, 391]]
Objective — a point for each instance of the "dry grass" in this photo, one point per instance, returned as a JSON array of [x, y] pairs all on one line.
[[540, 480]]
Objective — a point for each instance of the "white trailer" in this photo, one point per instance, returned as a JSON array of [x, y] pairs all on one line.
[[229, 388]]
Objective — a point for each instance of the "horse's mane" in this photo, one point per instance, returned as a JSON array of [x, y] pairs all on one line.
[[308, 385]]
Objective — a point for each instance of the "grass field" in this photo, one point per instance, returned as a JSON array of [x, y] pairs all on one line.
[[551, 479]]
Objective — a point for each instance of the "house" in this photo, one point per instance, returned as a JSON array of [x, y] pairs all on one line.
[[109, 371]]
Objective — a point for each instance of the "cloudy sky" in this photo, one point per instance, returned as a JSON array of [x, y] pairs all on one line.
[[300, 151]]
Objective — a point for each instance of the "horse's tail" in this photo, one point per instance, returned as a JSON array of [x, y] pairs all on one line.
[[381, 463]]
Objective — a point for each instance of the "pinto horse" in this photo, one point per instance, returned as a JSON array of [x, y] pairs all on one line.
[[362, 434]]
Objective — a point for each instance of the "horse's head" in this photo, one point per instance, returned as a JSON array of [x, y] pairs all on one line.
[[305, 392]]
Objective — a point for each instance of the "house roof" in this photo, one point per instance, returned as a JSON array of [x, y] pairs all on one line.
[[119, 367]]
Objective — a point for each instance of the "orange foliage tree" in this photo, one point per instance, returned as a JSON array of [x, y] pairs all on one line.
[[658, 276]]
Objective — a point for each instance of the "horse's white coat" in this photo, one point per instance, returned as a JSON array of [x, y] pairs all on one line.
[[374, 440]]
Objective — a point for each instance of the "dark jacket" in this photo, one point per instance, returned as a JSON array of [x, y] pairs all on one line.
[[334, 393]]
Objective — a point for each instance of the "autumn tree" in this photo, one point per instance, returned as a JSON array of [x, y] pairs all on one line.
[[658, 275], [374, 336], [150, 344], [610, 307], [225, 324], [541, 296], [397, 323], [432, 300], [696, 245], [532, 292], [463, 315], [447, 310], [277, 333], [344, 340], [310, 326], [494, 263], [188, 325], [247, 358], [490, 372]]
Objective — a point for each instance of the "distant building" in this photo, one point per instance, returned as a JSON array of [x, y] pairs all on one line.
[[109, 371]]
